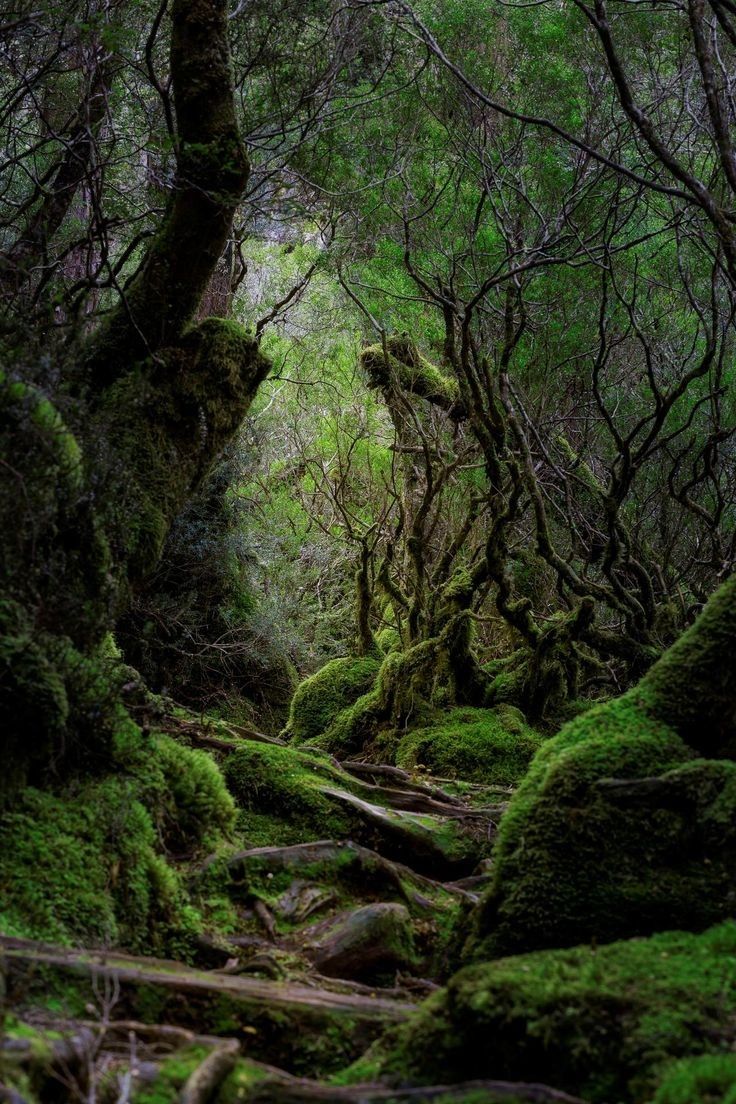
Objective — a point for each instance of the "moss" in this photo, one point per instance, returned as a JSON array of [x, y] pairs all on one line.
[[57, 702], [354, 727], [388, 639], [163, 425], [197, 806], [280, 784], [44, 416], [578, 858], [320, 698], [404, 365], [92, 861], [707, 1079], [171, 1076], [82, 865], [605, 1024], [477, 745], [691, 687], [395, 696]]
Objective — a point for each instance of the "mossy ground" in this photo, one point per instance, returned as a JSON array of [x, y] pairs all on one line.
[[609, 1024]]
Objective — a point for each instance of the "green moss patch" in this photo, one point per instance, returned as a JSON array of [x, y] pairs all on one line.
[[617, 830], [283, 786], [94, 861], [606, 1024], [478, 745], [83, 866], [320, 698]]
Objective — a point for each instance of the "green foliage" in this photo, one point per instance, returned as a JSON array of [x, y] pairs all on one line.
[[603, 1023], [476, 745], [320, 698]]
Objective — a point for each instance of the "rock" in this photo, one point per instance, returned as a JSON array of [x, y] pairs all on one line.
[[613, 1023], [617, 830], [368, 943]]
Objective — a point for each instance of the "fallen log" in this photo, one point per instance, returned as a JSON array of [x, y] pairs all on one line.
[[284, 1017]]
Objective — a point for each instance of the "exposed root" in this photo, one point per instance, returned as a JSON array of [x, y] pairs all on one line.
[[401, 779], [209, 1075], [371, 870]]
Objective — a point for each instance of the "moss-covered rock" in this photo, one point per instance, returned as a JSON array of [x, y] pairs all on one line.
[[369, 943], [603, 1023], [707, 1079], [195, 806], [279, 793], [477, 745], [101, 859], [83, 865], [321, 697], [619, 828]]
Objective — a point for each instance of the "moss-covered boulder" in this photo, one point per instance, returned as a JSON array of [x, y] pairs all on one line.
[[97, 860], [494, 746], [707, 1079], [320, 698], [279, 791], [607, 1024], [620, 827]]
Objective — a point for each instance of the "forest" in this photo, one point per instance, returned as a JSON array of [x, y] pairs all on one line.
[[368, 545]]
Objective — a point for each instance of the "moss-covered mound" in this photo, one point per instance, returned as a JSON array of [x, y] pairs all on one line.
[[608, 1024], [477, 745], [617, 830], [279, 793], [620, 828], [320, 698], [707, 1079], [288, 796], [93, 861]]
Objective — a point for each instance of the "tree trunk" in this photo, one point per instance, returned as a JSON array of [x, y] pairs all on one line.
[[157, 399]]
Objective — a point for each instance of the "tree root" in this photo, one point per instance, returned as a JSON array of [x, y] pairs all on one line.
[[209, 1075], [276, 1087], [369, 869], [401, 778]]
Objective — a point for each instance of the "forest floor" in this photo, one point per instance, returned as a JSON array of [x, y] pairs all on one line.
[[315, 949]]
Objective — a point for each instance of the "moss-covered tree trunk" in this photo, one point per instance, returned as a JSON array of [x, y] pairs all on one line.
[[155, 400]]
